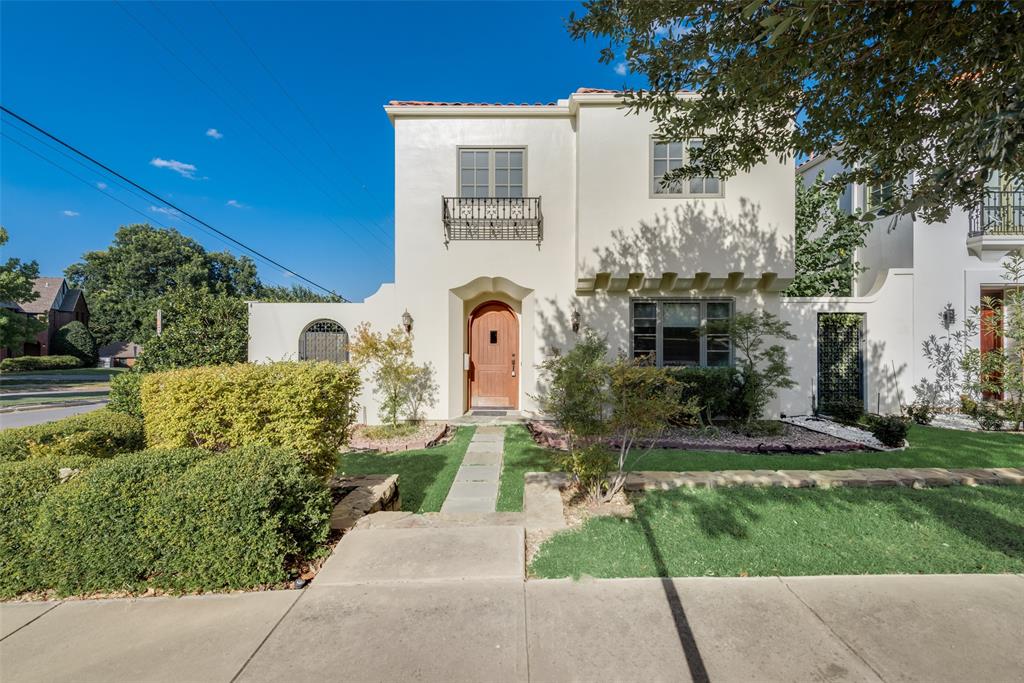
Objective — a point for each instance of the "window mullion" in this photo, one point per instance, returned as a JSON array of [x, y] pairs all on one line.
[[659, 336]]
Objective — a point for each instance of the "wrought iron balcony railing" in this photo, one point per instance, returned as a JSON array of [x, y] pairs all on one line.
[[492, 218], [1001, 212]]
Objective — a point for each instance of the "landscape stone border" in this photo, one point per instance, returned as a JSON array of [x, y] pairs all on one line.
[[921, 477], [362, 495]]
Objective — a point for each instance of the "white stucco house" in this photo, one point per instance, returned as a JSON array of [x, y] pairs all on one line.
[[517, 224]]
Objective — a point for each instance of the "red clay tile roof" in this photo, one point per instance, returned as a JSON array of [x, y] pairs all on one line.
[[423, 103]]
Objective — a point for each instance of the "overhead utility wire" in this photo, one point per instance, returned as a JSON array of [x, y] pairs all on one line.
[[305, 115], [163, 201], [270, 143]]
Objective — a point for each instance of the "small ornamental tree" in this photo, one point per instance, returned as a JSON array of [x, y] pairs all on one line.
[[763, 368], [16, 280], [75, 339], [401, 384], [827, 239], [575, 390]]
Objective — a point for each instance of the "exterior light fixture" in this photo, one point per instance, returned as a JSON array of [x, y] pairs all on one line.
[[407, 322], [948, 316], [575, 320]]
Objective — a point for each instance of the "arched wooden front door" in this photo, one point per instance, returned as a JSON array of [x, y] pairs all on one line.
[[493, 357]]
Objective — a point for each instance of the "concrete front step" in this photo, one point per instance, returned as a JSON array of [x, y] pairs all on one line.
[[421, 554]]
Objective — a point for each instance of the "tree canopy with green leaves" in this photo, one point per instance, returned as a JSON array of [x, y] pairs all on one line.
[[931, 93], [827, 239], [16, 286]]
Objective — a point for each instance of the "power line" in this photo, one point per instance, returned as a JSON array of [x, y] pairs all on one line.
[[295, 104], [163, 201], [270, 143]]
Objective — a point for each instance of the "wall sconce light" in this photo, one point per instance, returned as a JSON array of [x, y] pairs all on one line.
[[948, 316], [575, 320], [407, 322]]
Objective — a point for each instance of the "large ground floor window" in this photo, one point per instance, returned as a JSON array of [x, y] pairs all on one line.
[[682, 332]]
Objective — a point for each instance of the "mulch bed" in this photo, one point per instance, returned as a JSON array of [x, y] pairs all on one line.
[[428, 434], [793, 439]]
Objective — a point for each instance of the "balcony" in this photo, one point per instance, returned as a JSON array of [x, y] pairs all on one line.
[[492, 218], [996, 225]]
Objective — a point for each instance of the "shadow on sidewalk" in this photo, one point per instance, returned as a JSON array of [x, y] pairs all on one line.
[[698, 672]]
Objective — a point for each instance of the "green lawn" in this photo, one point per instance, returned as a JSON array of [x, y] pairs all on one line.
[[929, 447], [424, 476], [793, 532]]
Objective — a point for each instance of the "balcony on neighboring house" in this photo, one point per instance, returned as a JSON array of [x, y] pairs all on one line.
[[996, 224], [492, 218]]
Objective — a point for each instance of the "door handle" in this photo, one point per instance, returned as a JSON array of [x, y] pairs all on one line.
[[513, 365]]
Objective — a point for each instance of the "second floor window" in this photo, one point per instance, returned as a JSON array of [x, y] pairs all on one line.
[[669, 156], [498, 172], [877, 194]]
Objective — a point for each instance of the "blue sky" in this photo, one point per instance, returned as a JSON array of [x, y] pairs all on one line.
[[91, 74]]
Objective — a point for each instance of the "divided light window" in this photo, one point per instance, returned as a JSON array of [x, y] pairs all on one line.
[[491, 172], [668, 156], [682, 332]]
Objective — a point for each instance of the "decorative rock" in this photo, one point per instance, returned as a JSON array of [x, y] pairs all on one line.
[[66, 473], [976, 476], [796, 479], [1009, 475], [880, 477]]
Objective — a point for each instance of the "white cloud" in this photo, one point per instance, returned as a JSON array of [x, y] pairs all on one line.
[[179, 167], [101, 186], [621, 69], [70, 214], [164, 210], [288, 273], [214, 133], [237, 204]]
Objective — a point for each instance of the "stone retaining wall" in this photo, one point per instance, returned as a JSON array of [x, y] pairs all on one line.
[[358, 496]]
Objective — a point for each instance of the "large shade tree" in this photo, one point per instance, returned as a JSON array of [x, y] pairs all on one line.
[[930, 91]]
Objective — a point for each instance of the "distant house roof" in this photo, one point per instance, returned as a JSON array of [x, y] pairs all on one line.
[[120, 350], [70, 300], [47, 288]]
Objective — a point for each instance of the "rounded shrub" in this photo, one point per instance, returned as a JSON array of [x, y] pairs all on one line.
[[126, 394], [891, 430], [100, 433], [23, 487], [88, 530], [75, 339], [237, 520], [309, 407]]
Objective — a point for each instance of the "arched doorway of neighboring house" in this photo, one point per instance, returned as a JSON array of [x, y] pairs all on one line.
[[324, 340], [493, 357]]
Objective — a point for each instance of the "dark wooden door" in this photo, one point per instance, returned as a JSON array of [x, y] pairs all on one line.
[[493, 357], [990, 339]]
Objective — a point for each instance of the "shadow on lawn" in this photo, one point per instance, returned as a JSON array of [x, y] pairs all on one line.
[[735, 514]]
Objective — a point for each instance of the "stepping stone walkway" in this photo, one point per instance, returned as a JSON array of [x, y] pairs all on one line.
[[475, 488]]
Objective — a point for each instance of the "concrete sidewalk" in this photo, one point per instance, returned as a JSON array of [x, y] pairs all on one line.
[[368, 628]]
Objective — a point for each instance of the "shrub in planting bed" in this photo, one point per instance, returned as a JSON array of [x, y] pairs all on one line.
[[306, 406], [101, 433], [28, 363], [236, 520], [23, 487], [75, 339], [89, 529]]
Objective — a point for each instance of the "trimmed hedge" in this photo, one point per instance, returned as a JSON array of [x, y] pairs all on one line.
[[235, 521], [718, 390], [126, 393], [89, 530], [100, 433], [75, 339], [23, 487], [306, 406], [182, 520], [29, 363]]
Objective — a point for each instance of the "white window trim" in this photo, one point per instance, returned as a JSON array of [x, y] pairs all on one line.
[[659, 337], [490, 169], [653, 183]]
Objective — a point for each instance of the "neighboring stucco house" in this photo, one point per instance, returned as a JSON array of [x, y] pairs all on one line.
[[56, 305], [517, 224]]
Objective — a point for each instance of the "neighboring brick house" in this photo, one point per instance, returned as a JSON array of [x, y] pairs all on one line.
[[57, 305]]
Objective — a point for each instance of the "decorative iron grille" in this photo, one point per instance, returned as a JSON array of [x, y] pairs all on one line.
[[1001, 212], [840, 359], [324, 340], [492, 218]]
